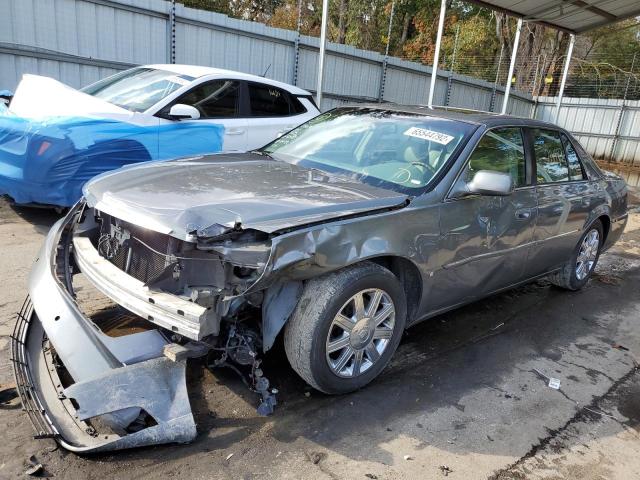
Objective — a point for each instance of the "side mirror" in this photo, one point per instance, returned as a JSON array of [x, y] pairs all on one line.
[[181, 112], [486, 182]]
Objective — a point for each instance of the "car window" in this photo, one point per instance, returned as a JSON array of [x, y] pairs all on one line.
[[396, 150], [215, 99], [575, 168], [500, 150], [268, 101], [551, 163], [137, 89]]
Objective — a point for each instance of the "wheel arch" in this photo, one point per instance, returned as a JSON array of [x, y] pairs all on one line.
[[282, 296]]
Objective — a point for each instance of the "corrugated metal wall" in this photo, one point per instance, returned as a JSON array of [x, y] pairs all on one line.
[[81, 41], [609, 129]]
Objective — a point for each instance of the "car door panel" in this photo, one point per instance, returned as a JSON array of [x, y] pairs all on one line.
[[484, 245], [485, 239], [562, 212], [565, 199]]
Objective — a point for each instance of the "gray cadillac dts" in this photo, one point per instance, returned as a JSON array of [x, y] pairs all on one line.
[[337, 237]]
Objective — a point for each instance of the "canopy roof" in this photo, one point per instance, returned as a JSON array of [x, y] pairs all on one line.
[[574, 16]]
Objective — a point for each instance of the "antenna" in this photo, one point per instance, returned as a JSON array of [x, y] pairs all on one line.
[[265, 72]]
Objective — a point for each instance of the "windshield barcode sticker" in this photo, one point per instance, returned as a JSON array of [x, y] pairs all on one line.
[[441, 138]]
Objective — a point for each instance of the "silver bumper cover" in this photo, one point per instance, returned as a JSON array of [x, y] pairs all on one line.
[[114, 378]]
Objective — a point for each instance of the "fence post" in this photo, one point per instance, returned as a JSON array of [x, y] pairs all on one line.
[[453, 66], [383, 73], [616, 134], [296, 46], [172, 32]]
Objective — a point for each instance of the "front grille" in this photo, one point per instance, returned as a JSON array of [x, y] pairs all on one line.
[[144, 254]]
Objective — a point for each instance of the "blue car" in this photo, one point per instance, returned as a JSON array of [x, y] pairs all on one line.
[[54, 138]]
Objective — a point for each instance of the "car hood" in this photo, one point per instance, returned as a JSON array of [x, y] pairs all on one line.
[[180, 197]]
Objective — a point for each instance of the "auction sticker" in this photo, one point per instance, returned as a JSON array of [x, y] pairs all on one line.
[[441, 138]]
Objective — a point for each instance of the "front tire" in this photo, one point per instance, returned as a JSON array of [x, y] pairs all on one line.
[[576, 272], [346, 327]]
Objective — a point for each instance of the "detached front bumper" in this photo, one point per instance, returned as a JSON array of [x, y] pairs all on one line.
[[116, 380]]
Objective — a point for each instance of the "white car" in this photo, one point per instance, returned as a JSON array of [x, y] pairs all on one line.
[[54, 138], [254, 110]]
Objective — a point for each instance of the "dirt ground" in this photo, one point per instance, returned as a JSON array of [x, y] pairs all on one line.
[[461, 398]]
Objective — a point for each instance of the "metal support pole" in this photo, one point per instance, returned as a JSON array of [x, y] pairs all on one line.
[[172, 32], [453, 66], [383, 73], [323, 44], [296, 46], [533, 90], [623, 107], [512, 66], [492, 103], [565, 72], [436, 55]]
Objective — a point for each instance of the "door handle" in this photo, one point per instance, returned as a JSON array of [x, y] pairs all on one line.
[[523, 213], [235, 131]]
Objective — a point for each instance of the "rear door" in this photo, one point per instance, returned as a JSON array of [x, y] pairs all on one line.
[[565, 196], [272, 112], [218, 102], [485, 239]]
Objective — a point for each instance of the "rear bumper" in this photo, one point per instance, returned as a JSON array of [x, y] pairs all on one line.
[[114, 378]]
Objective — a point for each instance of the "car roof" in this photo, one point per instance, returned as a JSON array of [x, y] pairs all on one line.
[[197, 71], [475, 117]]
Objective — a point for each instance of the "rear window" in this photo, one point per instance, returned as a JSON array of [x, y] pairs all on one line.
[[268, 101], [551, 163], [575, 167]]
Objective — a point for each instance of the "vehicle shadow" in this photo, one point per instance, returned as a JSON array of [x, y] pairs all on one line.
[[41, 219]]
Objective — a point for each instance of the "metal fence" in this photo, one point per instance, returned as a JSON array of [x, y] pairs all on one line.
[[81, 41], [609, 129]]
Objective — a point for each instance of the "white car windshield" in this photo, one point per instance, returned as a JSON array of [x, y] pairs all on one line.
[[395, 150], [137, 89]]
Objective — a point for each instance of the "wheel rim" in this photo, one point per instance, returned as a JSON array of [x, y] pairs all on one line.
[[360, 333], [587, 254]]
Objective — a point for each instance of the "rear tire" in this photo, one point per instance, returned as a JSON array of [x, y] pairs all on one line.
[[346, 327], [576, 272]]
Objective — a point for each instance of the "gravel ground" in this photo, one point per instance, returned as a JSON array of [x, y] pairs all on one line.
[[461, 398]]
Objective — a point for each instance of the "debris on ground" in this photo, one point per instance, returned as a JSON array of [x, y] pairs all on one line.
[[316, 457], [552, 382], [608, 279], [408, 457], [371, 475], [445, 470], [620, 347], [35, 468], [229, 456]]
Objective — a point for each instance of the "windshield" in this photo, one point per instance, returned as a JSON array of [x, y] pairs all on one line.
[[137, 89], [397, 151]]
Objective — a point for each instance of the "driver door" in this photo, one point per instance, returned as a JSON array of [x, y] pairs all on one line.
[[485, 240], [218, 102]]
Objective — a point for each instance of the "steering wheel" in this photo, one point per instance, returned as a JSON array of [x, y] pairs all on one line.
[[424, 167]]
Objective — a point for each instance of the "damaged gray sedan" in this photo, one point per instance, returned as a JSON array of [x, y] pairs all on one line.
[[337, 237]]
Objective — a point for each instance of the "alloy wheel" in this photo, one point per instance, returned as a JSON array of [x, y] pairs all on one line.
[[360, 333]]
